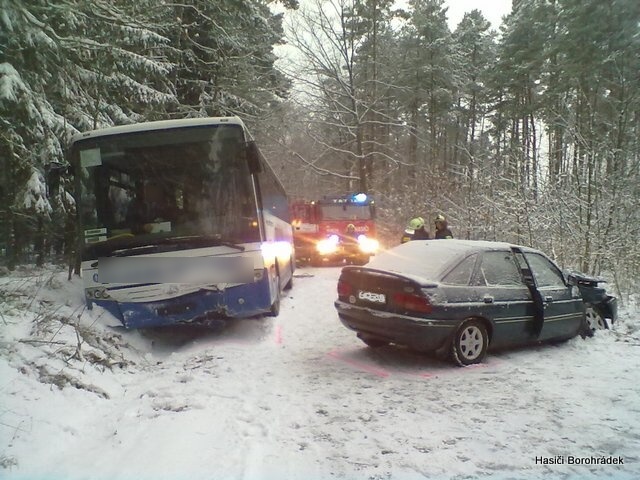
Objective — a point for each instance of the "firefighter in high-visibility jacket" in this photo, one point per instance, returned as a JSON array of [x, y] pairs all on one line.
[[416, 230]]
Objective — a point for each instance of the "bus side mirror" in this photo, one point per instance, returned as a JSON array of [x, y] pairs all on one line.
[[253, 158]]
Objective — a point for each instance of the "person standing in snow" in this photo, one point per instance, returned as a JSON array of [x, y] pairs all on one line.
[[415, 230], [442, 230]]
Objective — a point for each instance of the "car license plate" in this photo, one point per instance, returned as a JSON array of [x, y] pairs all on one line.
[[372, 297]]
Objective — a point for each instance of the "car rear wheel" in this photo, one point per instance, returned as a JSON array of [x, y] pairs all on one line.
[[470, 343], [594, 321]]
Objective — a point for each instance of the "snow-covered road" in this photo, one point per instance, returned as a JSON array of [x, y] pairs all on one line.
[[299, 397]]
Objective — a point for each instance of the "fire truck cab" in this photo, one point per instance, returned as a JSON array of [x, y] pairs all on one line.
[[335, 229]]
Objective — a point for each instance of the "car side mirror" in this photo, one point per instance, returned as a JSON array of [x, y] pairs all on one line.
[[571, 279], [253, 158]]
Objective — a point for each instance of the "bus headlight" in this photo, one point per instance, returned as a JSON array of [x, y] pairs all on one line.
[[280, 250], [328, 246], [368, 245]]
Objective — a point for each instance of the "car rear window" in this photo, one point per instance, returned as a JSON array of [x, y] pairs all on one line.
[[423, 258]]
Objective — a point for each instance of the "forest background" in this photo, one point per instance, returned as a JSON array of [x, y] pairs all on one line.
[[529, 134]]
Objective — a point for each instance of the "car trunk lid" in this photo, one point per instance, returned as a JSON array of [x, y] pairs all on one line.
[[384, 291]]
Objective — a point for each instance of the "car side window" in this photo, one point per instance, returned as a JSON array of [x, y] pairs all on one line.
[[461, 273], [498, 269], [544, 271]]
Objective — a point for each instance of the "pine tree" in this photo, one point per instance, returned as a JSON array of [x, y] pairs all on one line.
[[67, 66], [430, 79], [224, 57]]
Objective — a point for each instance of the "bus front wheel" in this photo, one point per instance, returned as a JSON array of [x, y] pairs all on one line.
[[274, 311]]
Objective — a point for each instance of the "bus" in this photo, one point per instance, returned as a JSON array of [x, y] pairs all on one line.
[[180, 221]]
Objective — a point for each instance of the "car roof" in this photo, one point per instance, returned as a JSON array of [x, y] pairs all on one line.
[[454, 245], [157, 125], [429, 259]]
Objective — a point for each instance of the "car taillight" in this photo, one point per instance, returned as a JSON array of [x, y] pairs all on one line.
[[344, 289], [412, 302]]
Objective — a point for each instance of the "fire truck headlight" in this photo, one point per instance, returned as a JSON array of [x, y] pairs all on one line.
[[328, 245], [368, 245]]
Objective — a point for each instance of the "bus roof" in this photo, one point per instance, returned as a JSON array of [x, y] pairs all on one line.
[[157, 125]]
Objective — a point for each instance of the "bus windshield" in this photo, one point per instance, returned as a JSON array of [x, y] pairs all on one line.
[[152, 187]]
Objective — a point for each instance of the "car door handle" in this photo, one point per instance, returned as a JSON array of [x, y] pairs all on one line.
[[548, 299], [487, 299]]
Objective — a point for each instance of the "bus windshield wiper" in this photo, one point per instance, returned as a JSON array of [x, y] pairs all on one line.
[[168, 244], [203, 241]]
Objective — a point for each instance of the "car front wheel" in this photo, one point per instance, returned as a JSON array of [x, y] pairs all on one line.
[[470, 343], [594, 321]]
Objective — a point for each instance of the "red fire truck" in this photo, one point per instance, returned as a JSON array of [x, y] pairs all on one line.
[[334, 229]]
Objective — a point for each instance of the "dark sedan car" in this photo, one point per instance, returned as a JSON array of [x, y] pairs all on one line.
[[463, 297]]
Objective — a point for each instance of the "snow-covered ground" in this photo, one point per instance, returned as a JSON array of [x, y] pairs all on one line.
[[297, 397]]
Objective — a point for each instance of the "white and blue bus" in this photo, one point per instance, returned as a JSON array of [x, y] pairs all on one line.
[[180, 221]]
